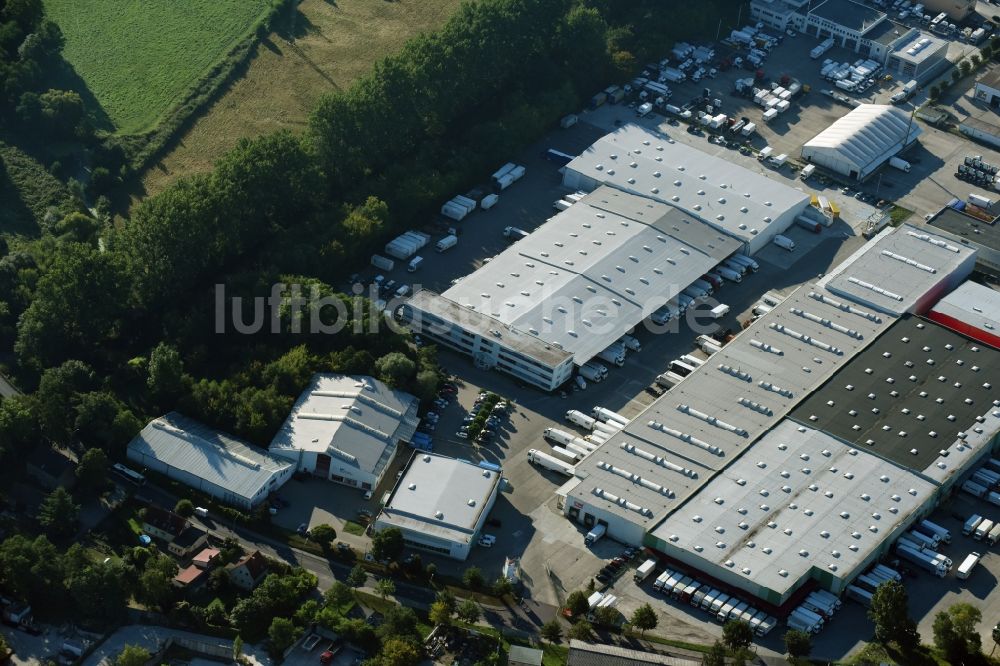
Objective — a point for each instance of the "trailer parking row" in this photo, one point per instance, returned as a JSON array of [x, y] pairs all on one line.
[[721, 606]]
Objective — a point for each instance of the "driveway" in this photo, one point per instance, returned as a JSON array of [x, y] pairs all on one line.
[[153, 638]]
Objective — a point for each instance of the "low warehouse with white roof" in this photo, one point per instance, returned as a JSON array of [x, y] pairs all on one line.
[[573, 287], [208, 460], [800, 505], [441, 504], [346, 429], [902, 270], [745, 205], [862, 141], [973, 310]]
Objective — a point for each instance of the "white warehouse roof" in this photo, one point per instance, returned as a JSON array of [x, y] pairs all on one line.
[[800, 503], [592, 272], [973, 309], [712, 416], [187, 445], [900, 268], [744, 204], [440, 496], [863, 139], [357, 420]]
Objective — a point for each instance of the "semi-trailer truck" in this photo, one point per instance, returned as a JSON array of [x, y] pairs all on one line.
[[923, 560], [602, 414], [929, 527], [548, 462], [580, 419]]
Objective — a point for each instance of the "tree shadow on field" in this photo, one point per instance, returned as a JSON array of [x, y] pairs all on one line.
[[297, 26], [63, 76], [15, 216]]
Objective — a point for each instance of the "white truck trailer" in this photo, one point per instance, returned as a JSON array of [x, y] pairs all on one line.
[[548, 462], [580, 419], [644, 570], [602, 414]]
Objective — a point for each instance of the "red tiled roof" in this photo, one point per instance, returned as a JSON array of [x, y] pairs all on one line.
[[255, 563], [189, 575], [206, 555]]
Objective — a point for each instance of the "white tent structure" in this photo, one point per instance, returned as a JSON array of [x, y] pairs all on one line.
[[862, 141]]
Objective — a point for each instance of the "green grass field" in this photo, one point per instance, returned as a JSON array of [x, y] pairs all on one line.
[[137, 58]]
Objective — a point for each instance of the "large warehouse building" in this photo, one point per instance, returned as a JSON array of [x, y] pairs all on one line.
[[858, 144], [800, 505], [441, 504], [579, 283], [213, 462], [346, 429], [791, 417], [738, 202]]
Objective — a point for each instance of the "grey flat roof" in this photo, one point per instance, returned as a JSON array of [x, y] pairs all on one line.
[[724, 194], [851, 15], [918, 378], [591, 654], [919, 47], [971, 304], [897, 268], [441, 496], [220, 459], [885, 32], [356, 419], [799, 500], [966, 227], [991, 79], [716, 412], [589, 274]]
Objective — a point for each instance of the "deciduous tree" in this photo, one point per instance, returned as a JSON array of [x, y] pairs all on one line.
[[644, 617]]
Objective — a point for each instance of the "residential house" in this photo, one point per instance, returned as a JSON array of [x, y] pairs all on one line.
[[189, 577], [206, 558], [247, 573], [162, 524], [188, 541]]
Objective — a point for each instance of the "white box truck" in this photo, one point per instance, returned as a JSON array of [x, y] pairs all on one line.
[[644, 570], [595, 534], [448, 241], [807, 171], [414, 264], [966, 567], [971, 524]]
